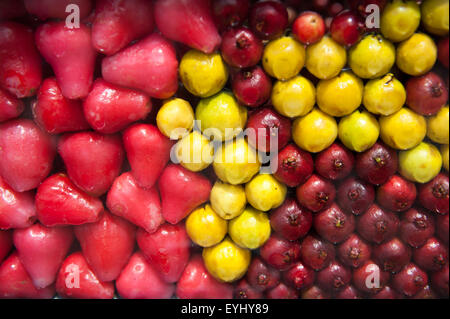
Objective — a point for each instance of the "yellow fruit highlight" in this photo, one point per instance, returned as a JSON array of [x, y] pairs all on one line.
[[236, 162], [227, 261], [195, 152], [400, 19], [438, 126], [295, 97], [445, 158], [175, 119], [221, 116], [403, 130], [420, 164], [417, 55], [203, 74], [326, 58], [205, 227], [384, 96], [341, 95], [251, 229], [264, 192], [227, 200], [435, 16], [315, 131], [284, 58], [359, 131]]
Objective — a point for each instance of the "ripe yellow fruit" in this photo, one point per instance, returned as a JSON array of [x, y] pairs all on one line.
[[251, 229], [359, 131], [435, 16], [205, 227], [194, 152], [400, 19], [227, 200], [384, 96], [438, 126], [264, 192], [417, 55], [175, 119], [420, 164]]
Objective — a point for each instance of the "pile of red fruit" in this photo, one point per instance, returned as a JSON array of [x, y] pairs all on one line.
[[92, 205]]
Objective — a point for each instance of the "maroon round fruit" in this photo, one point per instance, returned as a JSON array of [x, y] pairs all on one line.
[[280, 253], [334, 278], [316, 193], [314, 293], [410, 280], [293, 166], [387, 293], [290, 220], [268, 19], [416, 227], [370, 278], [241, 48], [377, 164], [268, 130], [316, 253], [299, 276], [432, 256], [354, 252], [426, 293], [426, 94], [443, 47], [355, 196], [392, 256], [309, 27], [397, 194], [282, 292], [442, 227], [377, 225], [243, 290], [434, 195], [439, 281], [362, 6], [335, 163], [347, 28], [230, 13], [334, 224], [321, 5], [349, 293], [262, 277], [252, 87]]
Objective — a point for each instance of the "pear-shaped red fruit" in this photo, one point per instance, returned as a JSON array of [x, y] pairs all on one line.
[[16, 283], [6, 243], [167, 249], [42, 250], [139, 280], [189, 22], [181, 192], [197, 283], [148, 152], [77, 280], [10, 106], [107, 245], [139, 206]]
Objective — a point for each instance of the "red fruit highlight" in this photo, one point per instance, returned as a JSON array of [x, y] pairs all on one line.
[[252, 87], [410, 280], [42, 251], [397, 194], [316, 193], [434, 195], [334, 278], [20, 63], [416, 227], [334, 225], [387, 293], [335, 163], [354, 252], [294, 166], [189, 22], [26, 154], [347, 28], [262, 277], [377, 225], [432, 256], [309, 27], [370, 278], [392, 256], [426, 94], [241, 48], [230, 13], [55, 113], [6, 243], [167, 249], [139, 280], [426, 293], [348, 293], [243, 290], [299, 276], [282, 292], [280, 253], [355, 196], [44, 9], [71, 55], [10, 106], [60, 202], [268, 19], [316, 253]]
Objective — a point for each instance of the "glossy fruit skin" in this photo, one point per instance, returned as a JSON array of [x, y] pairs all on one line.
[[228, 201], [387, 293], [294, 166], [416, 227], [244, 291], [268, 19], [442, 228], [349, 293], [206, 228], [93, 174], [434, 195], [56, 114], [240, 48], [74, 272], [280, 253], [359, 131], [282, 292], [290, 220], [6, 243], [316, 193], [354, 252], [230, 13], [435, 16], [438, 128], [392, 256], [377, 225], [167, 249], [397, 194], [333, 224], [252, 87], [261, 276], [410, 280], [26, 154], [377, 164], [417, 55], [384, 96], [439, 281], [443, 48], [149, 65], [21, 65], [367, 273], [309, 27], [347, 28], [10, 106], [326, 58], [426, 94], [109, 108], [400, 20], [316, 253], [432, 256], [355, 196], [173, 115], [426, 293], [335, 163], [251, 229], [56, 9], [299, 276], [266, 124], [334, 278], [420, 164]]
